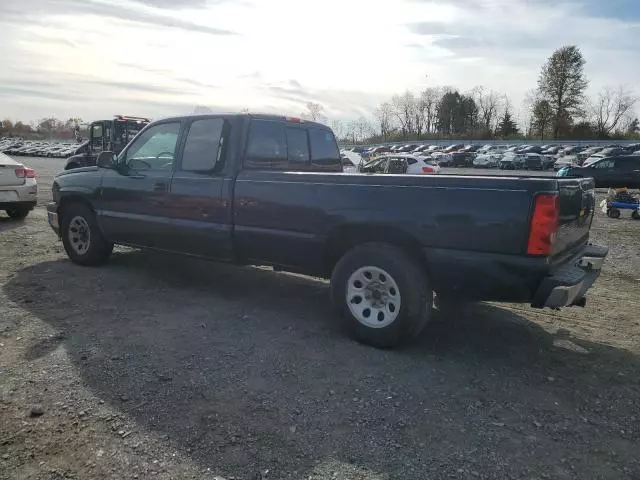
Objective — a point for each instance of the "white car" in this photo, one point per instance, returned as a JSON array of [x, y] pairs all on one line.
[[419, 165], [18, 188], [440, 158], [487, 160], [416, 165]]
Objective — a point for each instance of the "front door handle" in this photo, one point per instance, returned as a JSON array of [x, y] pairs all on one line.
[[160, 187]]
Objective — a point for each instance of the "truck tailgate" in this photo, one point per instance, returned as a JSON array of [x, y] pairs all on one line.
[[577, 206]]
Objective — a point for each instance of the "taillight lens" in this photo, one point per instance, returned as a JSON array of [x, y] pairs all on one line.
[[25, 172], [427, 170], [544, 224]]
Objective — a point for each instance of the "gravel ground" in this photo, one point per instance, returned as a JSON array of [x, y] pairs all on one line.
[[164, 367]]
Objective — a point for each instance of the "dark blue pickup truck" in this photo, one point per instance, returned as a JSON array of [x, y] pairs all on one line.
[[269, 190]]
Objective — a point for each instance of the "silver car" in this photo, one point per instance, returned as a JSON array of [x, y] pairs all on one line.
[[18, 188]]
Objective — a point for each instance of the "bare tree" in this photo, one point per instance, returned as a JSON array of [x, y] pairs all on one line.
[[610, 108], [383, 115], [429, 100], [363, 129], [351, 132], [338, 128], [314, 112], [403, 107], [489, 104]]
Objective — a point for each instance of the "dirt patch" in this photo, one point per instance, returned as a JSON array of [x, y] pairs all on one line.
[[161, 367]]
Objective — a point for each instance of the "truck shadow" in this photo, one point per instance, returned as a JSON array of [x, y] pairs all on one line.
[[246, 369]]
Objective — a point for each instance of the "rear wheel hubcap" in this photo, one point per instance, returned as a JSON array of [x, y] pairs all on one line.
[[373, 297]]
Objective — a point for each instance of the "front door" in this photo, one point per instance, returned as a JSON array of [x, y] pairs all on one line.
[[132, 204], [200, 204]]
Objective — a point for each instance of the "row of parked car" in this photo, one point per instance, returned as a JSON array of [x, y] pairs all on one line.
[[37, 148], [514, 157]]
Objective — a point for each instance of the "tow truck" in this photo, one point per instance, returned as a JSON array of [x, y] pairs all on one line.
[[106, 135]]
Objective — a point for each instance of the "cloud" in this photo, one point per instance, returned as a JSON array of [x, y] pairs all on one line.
[[147, 57], [127, 12]]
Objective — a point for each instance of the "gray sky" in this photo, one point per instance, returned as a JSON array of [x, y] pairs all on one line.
[[95, 58]]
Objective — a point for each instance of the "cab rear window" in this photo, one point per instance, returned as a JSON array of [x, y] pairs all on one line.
[[324, 149]]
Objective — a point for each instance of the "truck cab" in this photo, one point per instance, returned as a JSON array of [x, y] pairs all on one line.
[[106, 135]]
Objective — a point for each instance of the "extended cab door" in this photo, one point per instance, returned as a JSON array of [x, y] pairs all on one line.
[[200, 204], [132, 200], [628, 171], [277, 212]]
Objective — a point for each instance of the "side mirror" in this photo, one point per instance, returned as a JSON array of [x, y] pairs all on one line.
[[107, 160]]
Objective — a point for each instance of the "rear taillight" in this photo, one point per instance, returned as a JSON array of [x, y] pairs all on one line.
[[25, 172], [544, 224], [427, 170]]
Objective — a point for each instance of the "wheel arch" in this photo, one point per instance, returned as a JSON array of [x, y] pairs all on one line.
[[70, 199], [346, 237]]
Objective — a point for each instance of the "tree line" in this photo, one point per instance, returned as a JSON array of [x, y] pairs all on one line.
[[557, 109], [45, 128]]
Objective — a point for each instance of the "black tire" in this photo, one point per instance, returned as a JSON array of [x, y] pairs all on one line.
[[635, 215], [416, 296], [97, 250], [18, 212], [614, 213]]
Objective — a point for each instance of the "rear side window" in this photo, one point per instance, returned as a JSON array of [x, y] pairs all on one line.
[[203, 148], [324, 149], [266, 147], [628, 164], [297, 146]]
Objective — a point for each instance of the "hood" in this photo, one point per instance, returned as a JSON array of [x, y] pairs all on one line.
[[77, 170]]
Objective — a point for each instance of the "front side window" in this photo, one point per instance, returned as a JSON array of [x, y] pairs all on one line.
[[203, 148], [605, 164], [267, 146], [324, 149], [155, 149]]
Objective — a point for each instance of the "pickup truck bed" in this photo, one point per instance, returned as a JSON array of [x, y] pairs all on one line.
[[386, 241]]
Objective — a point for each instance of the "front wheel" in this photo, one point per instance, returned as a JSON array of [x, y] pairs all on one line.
[[81, 237], [382, 295], [635, 215]]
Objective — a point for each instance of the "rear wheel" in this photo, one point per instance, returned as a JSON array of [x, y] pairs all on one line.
[[18, 212], [613, 213], [383, 296], [635, 215], [81, 237]]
